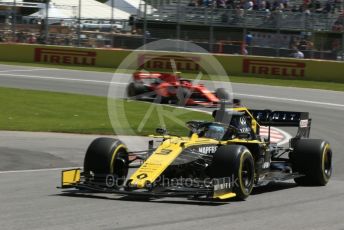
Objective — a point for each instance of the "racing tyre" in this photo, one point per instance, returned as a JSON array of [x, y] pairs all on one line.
[[163, 100], [108, 159], [135, 89], [183, 95], [222, 94], [236, 162], [312, 158]]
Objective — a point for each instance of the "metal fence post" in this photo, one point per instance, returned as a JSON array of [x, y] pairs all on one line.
[[14, 19], [279, 18], [178, 20], [243, 44], [46, 25], [111, 22], [211, 31], [342, 53], [145, 24], [79, 24]]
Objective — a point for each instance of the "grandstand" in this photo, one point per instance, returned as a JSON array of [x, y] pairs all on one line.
[[276, 28], [316, 26], [132, 7], [244, 18], [90, 9]]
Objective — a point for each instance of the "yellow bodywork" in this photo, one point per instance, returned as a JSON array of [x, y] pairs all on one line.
[[225, 196], [163, 156], [170, 149], [70, 177]]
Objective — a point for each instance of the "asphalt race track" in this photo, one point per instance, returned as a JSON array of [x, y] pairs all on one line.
[[29, 175]]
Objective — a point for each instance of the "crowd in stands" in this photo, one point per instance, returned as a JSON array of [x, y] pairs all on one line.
[[338, 25], [308, 6]]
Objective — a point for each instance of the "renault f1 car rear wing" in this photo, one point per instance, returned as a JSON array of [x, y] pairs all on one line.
[[280, 118], [285, 119]]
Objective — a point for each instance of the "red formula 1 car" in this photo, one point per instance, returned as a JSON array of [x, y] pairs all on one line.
[[170, 88]]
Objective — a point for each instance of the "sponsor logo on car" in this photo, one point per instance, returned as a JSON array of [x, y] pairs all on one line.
[[64, 56], [303, 123], [169, 62], [272, 67], [207, 149]]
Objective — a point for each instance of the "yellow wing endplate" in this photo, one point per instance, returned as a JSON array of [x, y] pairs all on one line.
[[70, 177], [225, 196]]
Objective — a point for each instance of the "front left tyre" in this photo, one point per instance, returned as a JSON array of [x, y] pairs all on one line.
[[107, 158]]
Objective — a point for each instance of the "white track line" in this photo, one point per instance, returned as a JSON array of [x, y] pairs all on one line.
[[290, 99], [124, 83], [23, 70], [62, 79]]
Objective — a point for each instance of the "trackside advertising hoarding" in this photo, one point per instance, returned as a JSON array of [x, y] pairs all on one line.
[[61, 55], [237, 65]]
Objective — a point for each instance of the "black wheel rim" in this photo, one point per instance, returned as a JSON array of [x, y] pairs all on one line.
[[131, 92], [120, 168], [328, 164], [247, 175]]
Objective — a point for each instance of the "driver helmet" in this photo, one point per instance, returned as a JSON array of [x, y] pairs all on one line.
[[215, 132]]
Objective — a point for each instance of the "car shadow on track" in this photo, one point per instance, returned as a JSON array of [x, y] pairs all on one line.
[[199, 202], [272, 187]]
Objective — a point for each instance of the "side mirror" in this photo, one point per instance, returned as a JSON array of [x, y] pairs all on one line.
[[161, 131]]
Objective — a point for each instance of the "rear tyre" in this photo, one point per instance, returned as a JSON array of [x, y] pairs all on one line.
[[183, 94], [312, 158], [222, 94], [135, 89], [236, 162], [108, 159]]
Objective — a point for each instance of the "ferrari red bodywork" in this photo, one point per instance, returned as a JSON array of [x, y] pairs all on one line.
[[168, 85]]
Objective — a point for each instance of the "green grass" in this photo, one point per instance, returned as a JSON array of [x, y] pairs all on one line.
[[235, 79], [28, 110]]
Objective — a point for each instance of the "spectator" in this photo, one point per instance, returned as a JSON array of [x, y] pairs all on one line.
[[248, 5], [317, 6], [248, 38], [294, 9], [268, 5], [244, 49], [327, 8], [230, 4], [302, 44], [147, 34], [310, 45], [297, 54], [221, 3], [307, 12], [193, 3], [32, 39]]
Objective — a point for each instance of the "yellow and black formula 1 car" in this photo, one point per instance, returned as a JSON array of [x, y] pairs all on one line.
[[219, 159]]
